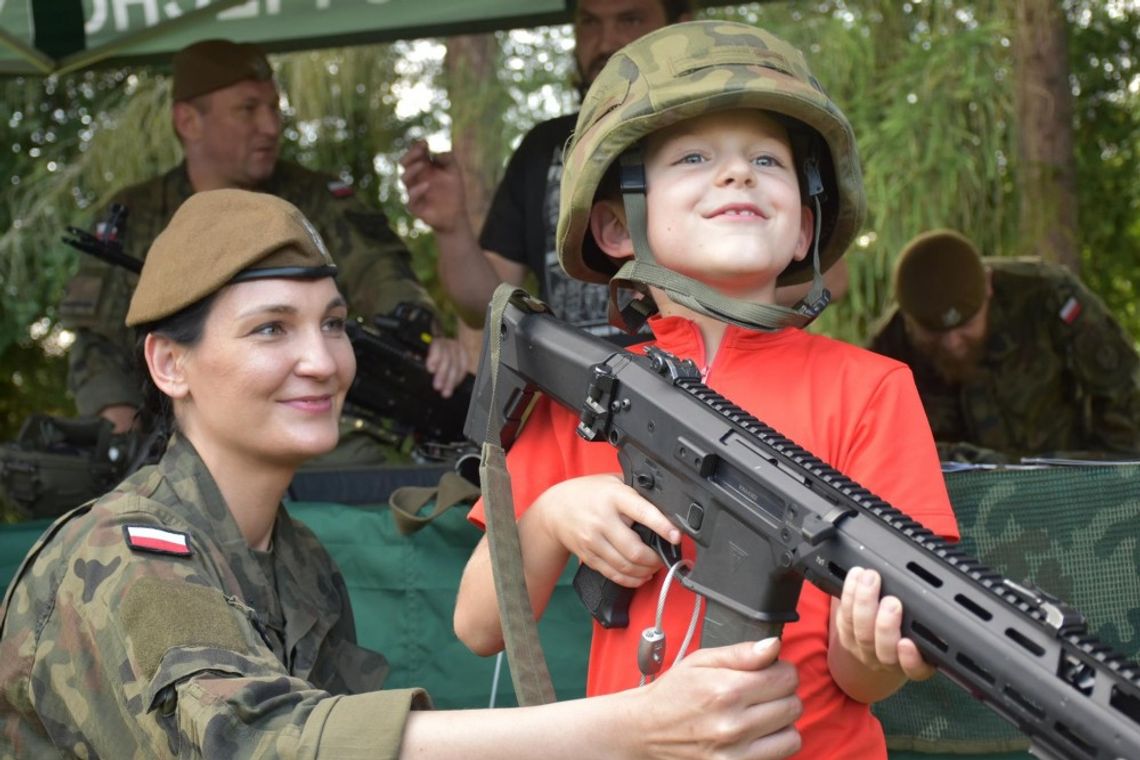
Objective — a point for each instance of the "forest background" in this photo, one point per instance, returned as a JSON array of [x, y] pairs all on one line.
[[929, 87]]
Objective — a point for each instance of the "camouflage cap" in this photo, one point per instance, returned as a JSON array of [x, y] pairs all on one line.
[[686, 70], [222, 236], [210, 65], [940, 280]]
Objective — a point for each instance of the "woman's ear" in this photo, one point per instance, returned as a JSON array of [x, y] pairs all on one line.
[[607, 224], [164, 361]]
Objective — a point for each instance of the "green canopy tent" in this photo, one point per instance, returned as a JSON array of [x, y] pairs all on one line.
[[43, 37]]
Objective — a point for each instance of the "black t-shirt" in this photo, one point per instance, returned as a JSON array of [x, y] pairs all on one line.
[[523, 220]]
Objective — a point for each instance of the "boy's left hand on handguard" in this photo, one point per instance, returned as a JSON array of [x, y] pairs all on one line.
[[870, 628]]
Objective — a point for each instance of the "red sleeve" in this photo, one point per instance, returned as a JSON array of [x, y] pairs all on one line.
[[893, 455]]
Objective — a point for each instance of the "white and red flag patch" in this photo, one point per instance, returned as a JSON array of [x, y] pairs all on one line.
[[1070, 310], [146, 538], [340, 189]]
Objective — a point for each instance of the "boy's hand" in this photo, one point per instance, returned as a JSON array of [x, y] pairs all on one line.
[[739, 701], [870, 628], [591, 517]]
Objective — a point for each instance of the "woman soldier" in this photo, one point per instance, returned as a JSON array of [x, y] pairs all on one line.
[[186, 614]]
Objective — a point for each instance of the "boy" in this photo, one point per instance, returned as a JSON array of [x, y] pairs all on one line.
[[751, 180]]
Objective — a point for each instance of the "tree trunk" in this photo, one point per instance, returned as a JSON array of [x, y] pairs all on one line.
[[471, 69], [1046, 161]]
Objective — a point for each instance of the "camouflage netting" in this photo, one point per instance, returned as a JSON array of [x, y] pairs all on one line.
[[1075, 532]]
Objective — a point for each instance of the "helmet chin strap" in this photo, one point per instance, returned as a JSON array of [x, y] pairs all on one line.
[[643, 270]]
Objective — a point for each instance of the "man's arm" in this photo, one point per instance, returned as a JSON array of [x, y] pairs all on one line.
[[100, 367], [468, 273], [1107, 368]]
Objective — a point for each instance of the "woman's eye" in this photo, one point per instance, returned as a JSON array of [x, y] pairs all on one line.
[[269, 328], [335, 324]]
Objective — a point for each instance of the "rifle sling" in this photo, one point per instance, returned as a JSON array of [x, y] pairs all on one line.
[[407, 501], [529, 671]]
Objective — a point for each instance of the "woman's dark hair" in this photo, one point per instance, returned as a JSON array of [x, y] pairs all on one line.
[[184, 327]]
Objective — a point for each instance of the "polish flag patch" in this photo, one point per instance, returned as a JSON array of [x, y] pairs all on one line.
[[340, 189], [1070, 310], [145, 538]]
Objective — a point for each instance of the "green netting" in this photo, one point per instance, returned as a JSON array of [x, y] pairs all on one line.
[[403, 594], [1074, 532]]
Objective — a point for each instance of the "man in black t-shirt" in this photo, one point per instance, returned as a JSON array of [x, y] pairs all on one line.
[[518, 234]]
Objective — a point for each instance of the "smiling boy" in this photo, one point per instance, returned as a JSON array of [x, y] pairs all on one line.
[[737, 175]]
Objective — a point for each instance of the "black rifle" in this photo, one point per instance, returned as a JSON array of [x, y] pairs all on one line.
[[392, 382], [107, 242], [392, 385], [765, 515]]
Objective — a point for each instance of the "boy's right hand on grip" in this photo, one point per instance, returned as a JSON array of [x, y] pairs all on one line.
[[607, 601], [592, 517]]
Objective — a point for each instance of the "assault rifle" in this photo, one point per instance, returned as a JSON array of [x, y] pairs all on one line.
[[107, 242], [765, 515], [392, 385], [392, 382]]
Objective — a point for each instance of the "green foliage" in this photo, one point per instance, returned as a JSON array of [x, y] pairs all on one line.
[[928, 91], [927, 85], [1103, 49], [341, 118]]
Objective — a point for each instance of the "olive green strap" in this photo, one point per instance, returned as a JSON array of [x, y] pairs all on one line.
[[529, 671], [407, 501]]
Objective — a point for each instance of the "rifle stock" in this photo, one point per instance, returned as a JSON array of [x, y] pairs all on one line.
[[765, 515]]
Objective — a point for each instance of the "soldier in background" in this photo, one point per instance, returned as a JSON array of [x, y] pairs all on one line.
[[1012, 357], [517, 239], [226, 116]]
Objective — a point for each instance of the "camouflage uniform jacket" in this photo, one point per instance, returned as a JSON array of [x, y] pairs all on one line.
[[375, 272], [1058, 374], [108, 649]]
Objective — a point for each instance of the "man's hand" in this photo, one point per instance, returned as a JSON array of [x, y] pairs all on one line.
[[122, 416], [447, 362], [435, 188]]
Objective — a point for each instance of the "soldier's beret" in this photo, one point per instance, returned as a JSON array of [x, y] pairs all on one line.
[[218, 237], [211, 65], [940, 280]]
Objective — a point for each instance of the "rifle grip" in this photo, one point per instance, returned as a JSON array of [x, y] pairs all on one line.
[[607, 601]]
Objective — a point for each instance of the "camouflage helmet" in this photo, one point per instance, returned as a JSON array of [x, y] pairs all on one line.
[[685, 70]]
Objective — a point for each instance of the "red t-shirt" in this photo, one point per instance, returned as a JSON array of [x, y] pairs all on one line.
[[855, 410]]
